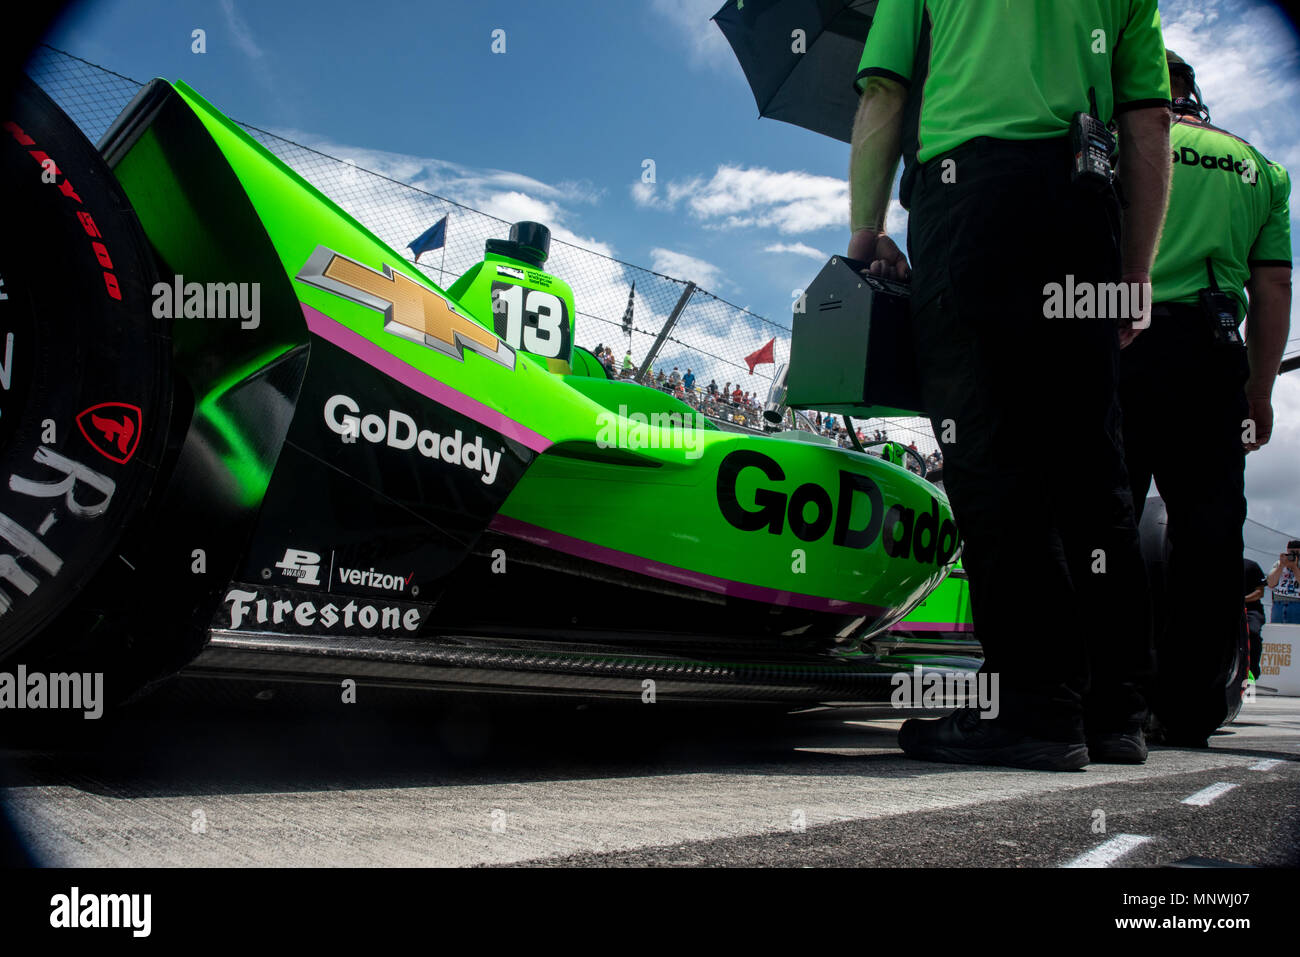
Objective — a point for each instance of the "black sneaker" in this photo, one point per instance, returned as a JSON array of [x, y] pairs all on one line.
[[963, 737], [1118, 748]]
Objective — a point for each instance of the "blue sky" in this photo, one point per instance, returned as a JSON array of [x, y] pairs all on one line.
[[557, 128], [585, 92]]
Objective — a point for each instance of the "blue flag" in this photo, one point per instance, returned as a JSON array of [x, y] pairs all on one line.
[[432, 238]]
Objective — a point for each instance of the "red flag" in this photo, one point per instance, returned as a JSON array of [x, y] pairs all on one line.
[[761, 356]]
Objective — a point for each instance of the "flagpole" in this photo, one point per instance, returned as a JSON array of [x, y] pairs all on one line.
[[442, 273]]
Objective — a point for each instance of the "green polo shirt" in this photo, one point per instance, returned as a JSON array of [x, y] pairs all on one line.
[[1226, 202], [1017, 69]]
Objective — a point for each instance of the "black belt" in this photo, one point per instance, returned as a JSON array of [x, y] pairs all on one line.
[[1184, 311], [1169, 310], [1047, 150]]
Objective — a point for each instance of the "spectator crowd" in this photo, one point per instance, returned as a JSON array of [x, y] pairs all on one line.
[[728, 403]]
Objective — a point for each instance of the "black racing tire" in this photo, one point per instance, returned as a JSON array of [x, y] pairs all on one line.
[[87, 389], [1155, 553], [1236, 688]]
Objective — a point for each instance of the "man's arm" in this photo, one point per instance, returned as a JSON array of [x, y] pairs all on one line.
[[876, 148], [1274, 574], [1269, 288], [1144, 173], [1256, 595]]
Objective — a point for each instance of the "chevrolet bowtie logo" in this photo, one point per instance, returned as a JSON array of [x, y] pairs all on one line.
[[410, 309]]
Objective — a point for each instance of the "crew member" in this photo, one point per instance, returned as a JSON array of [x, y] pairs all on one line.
[[990, 91], [1196, 399]]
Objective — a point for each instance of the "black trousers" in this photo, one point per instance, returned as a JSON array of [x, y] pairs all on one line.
[[1026, 412], [1255, 628], [1184, 407]]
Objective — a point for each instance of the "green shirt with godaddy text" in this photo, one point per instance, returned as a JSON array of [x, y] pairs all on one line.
[[1017, 69], [1227, 202]]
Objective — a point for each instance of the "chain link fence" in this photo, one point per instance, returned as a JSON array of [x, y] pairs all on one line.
[[709, 337]]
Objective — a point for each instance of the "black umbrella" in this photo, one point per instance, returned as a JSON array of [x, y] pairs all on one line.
[[813, 89]]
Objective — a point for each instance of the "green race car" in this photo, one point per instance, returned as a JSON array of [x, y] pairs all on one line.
[[243, 436]]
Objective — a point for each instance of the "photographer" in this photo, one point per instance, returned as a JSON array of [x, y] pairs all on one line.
[[1284, 579], [993, 93]]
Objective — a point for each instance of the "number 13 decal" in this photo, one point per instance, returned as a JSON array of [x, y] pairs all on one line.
[[531, 320]]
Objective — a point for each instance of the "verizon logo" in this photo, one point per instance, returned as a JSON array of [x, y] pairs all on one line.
[[370, 578]]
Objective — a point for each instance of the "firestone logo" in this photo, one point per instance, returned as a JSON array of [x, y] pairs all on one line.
[[112, 429], [249, 607]]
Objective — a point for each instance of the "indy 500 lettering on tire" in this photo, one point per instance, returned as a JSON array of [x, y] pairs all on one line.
[[85, 379]]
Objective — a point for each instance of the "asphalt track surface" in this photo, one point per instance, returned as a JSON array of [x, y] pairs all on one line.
[[209, 773]]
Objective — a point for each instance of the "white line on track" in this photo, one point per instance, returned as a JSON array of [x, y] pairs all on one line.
[[1206, 796], [1268, 764], [1103, 855]]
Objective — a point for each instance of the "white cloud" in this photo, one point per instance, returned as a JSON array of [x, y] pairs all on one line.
[[1244, 64], [397, 214], [682, 266], [240, 30], [896, 219], [259, 63], [705, 44], [737, 197], [800, 249], [514, 206], [646, 196], [472, 186], [1273, 473]]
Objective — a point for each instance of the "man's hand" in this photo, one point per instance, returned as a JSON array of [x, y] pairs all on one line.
[[1261, 413], [1267, 330], [1143, 318], [874, 151], [883, 255]]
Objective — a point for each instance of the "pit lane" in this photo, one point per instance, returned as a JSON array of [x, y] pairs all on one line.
[[224, 773]]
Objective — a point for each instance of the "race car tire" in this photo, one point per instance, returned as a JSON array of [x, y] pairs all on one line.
[[85, 386], [1155, 552], [1236, 688]]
